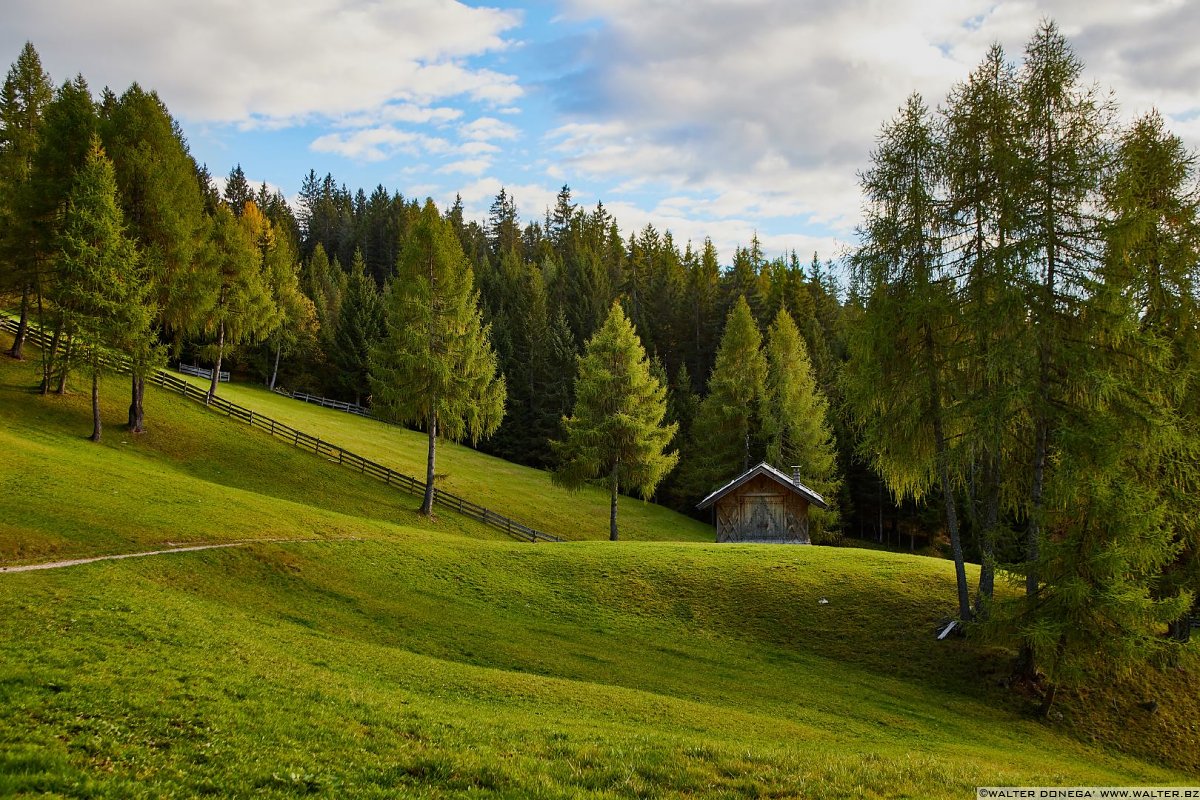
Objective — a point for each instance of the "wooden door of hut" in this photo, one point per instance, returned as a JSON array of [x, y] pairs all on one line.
[[763, 516]]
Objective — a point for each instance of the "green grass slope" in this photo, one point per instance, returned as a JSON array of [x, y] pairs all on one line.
[[523, 493], [388, 658]]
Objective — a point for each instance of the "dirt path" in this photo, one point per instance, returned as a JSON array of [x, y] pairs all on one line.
[[74, 562]]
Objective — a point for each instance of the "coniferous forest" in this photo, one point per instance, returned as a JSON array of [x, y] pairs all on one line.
[[1004, 369]]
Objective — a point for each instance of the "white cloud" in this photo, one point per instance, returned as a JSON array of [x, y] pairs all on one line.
[[400, 112], [477, 148], [263, 62], [378, 144], [467, 166], [486, 129]]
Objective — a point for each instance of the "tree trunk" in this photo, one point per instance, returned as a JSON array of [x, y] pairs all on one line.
[[1025, 661], [22, 326], [136, 414], [612, 512], [1181, 629], [216, 373], [68, 352], [943, 462], [51, 357], [95, 403], [427, 503], [1052, 687], [275, 371], [987, 542]]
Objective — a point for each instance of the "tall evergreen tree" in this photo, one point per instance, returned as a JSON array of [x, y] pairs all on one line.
[[237, 191], [26, 93], [616, 428], [436, 365], [164, 207], [101, 291], [799, 429], [981, 221], [1062, 127], [70, 123], [900, 378], [360, 327], [1152, 259], [729, 434]]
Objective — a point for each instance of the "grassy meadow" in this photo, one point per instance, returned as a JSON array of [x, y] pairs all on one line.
[[376, 654], [523, 493]]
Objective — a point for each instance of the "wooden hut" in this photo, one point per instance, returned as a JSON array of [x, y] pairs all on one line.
[[763, 505]]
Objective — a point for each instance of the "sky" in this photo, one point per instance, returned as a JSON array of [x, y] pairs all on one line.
[[709, 119]]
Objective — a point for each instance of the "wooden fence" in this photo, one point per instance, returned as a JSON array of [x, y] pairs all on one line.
[[325, 402], [330, 452], [201, 372]]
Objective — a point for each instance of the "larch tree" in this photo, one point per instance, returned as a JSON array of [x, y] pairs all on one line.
[[26, 93], [799, 431], [164, 208], [101, 289], [435, 365], [899, 379], [616, 427], [981, 223], [1153, 259], [244, 310], [1062, 127]]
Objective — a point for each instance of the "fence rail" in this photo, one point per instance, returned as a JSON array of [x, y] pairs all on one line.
[[201, 372], [304, 441], [325, 402]]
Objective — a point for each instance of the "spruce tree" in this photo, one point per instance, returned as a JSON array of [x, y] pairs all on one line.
[[101, 291], [70, 122], [360, 326], [435, 365], [616, 428], [729, 434], [799, 430]]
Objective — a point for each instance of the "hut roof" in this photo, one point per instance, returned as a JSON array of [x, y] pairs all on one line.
[[765, 469]]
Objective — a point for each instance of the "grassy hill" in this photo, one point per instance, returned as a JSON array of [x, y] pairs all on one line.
[[520, 492], [393, 658]]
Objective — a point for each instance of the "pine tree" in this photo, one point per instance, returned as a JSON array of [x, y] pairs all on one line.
[[729, 435], [435, 365], [26, 93], [800, 434], [616, 427], [360, 327], [100, 290]]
